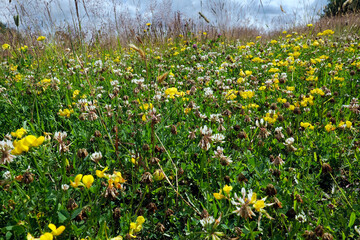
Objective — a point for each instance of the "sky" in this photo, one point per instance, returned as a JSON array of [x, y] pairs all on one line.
[[266, 14]]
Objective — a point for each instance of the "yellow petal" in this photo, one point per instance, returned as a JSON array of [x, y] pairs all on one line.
[[38, 141], [52, 227], [88, 180], [140, 220], [30, 237], [46, 236], [28, 140]]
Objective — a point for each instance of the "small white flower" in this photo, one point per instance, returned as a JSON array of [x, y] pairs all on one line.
[[289, 141], [278, 129], [7, 175], [96, 156], [207, 221], [205, 130], [218, 138], [60, 136], [64, 187], [301, 217]]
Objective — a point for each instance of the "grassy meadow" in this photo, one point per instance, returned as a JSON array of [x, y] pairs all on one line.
[[200, 137]]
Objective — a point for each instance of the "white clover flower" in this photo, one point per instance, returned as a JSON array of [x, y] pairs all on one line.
[[207, 221], [64, 187], [205, 130], [301, 217], [96, 156], [289, 141], [218, 138], [278, 129], [7, 175], [60, 136]]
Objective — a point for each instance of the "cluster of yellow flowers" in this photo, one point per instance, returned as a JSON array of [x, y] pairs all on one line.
[[271, 117], [172, 92], [317, 91], [87, 181], [247, 94], [326, 32], [24, 144], [41, 38], [66, 112], [346, 124], [307, 125], [136, 226], [114, 179], [231, 94], [329, 127], [227, 189]]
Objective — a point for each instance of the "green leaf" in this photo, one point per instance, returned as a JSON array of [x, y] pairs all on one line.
[[8, 235], [352, 219], [75, 213], [63, 215]]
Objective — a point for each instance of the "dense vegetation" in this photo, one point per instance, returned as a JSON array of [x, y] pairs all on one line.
[[197, 138], [338, 7]]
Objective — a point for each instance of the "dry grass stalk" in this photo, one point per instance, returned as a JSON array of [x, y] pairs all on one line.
[[141, 52], [162, 77]]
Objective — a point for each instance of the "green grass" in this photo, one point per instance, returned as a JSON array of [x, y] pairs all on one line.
[[293, 99]]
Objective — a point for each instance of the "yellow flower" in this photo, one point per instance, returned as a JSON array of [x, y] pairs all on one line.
[[158, 175], [88, 180], [231, 94], [187, 110], [219, 195], [38, 141], [56, 231], [140, 220], [65, 113], [170, 92], [75, 93], [132, 225], [77, 181], [307, 125], [227, 189], [247, 94], [262, 88], [290, 88], [146, 106], [143, 118], [19, 147], [348, 124], [258, 205], [329, 127], [248, 73], [5, 46], [136, 227], [148, 24], [101, 174], [310, 25], [30, 237], [46, 236], [41, 38], [23, 48], [19, 133], [117, 238], [28, 140]]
